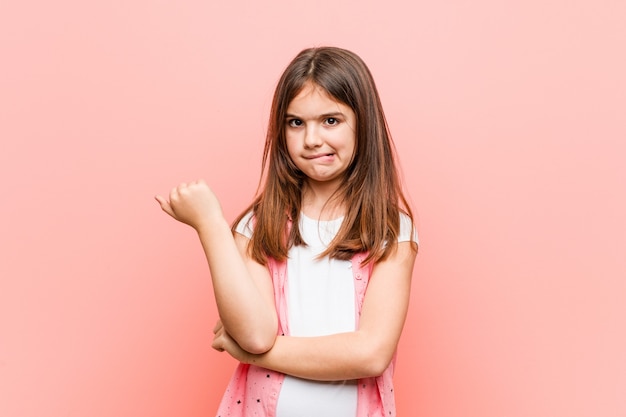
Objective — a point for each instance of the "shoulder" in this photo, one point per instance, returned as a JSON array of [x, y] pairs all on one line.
[[245, 226], [408, 232]]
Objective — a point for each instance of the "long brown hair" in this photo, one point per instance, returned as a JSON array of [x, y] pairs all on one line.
[[371, 190]]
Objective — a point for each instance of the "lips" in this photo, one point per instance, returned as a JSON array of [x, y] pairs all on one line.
[[319, 155]]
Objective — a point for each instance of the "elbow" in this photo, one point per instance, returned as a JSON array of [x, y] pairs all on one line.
[[260, 340], [258, 345], [376, 367], [376, 361], [254, 337]]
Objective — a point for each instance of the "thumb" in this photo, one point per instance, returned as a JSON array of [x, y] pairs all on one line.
[[165, 205]]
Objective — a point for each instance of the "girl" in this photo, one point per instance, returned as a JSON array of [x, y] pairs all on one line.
[[312, 283]]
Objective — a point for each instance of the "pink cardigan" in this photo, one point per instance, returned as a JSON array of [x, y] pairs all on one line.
[[253, 391]]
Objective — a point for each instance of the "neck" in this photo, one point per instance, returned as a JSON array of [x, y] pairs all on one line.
[[319, 201]]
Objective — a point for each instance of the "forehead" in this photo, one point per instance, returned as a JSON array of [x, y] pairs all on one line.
[[313, 99]]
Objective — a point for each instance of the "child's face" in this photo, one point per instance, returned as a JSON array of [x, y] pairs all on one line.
[[320, 134]]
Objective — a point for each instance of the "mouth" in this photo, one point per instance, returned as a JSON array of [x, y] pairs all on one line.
[[319, 155]]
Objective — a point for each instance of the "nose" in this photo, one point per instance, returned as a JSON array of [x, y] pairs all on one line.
[[312, 138]]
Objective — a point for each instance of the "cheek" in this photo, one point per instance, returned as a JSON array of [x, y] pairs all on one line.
[[292, 152], [290, 144], [353, 149], [348, 141]]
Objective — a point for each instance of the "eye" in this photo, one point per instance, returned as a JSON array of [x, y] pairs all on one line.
[[332, 121], [294, 122]]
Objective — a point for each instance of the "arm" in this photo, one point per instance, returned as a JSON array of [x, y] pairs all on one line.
[[363, 353], [242, 287]]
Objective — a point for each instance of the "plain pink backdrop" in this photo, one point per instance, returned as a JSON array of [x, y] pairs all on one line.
[[510, 122]]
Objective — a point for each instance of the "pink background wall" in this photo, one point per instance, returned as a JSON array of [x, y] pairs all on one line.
[[510, 119]]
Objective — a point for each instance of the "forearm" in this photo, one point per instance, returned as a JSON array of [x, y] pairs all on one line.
[[246, 311], [243, 290], [334, 357], [366, 352], [363, 353]]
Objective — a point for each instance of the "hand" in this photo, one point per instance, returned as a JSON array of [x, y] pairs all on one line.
[[193, 204], [223, 342]]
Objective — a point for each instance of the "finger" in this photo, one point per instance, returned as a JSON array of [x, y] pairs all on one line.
[[181, 187], [174, 193], [161, 200], [217, 345], [217, 327], [165, 205]]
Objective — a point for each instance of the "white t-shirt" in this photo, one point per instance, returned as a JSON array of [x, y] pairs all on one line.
[[320, 301]]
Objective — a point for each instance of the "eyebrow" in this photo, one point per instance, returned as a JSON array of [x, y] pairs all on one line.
[[333, 114]]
